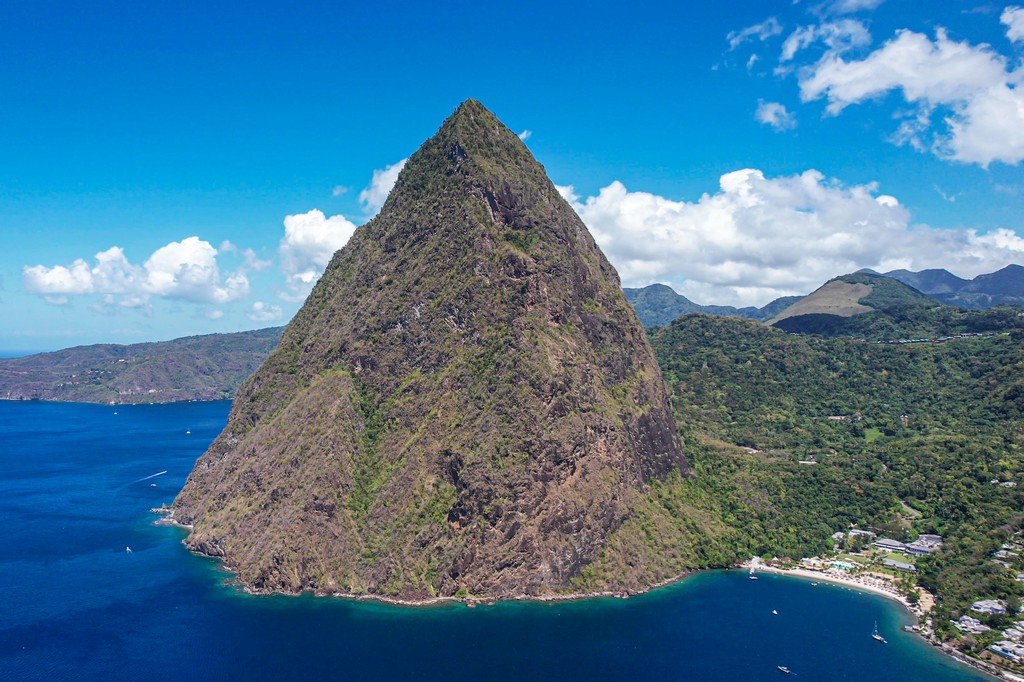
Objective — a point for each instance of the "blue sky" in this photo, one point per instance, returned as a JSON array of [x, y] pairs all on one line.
[[736, 151]]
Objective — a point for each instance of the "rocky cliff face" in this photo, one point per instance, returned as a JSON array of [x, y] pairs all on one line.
[[466, 403]]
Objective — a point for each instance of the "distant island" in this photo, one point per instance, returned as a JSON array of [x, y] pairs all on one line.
[[209, 367]]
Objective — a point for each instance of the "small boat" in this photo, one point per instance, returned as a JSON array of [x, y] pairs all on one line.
[[189, 432], [814, 584], [784, 669], [877, 637], [752, 576], [774, 612], [128, 550]]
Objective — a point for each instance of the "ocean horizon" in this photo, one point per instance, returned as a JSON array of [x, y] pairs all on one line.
[[77, 483]]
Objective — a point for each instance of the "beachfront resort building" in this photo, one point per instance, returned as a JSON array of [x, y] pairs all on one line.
[[989, 606], [900, 566], [925, 544], [1007, 649], [890, 545], [969, 624]]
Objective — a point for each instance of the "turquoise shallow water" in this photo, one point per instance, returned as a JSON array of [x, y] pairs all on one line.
[[78, 606]]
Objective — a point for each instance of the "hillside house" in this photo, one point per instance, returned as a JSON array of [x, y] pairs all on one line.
[[989, 606], [925, 544], [969, 624]]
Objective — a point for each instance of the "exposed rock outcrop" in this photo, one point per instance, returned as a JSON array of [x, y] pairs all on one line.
[[466, 403]]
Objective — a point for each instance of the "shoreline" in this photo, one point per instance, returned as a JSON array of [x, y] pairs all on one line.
[[839, 579], [985, 668], [166, 515], [167, 519]]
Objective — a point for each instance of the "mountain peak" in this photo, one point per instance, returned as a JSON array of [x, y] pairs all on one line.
[[465, 402], [847, 295]]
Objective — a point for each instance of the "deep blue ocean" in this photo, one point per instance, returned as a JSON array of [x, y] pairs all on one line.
[[74, 494]]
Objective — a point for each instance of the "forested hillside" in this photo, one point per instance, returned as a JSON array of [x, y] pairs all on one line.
[[793, 438], [206, 367]]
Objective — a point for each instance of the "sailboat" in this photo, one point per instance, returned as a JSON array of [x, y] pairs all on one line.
[[876, 636]]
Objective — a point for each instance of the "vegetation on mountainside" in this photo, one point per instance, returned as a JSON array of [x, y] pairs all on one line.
[[929, 426], [206, 367], [904, 322], [465, 404], [849, 296], [886, 292]]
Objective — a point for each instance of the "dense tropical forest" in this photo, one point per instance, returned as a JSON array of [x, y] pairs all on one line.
[[793, 438]]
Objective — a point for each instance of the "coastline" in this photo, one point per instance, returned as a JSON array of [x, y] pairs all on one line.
[[839, 579], [860, 584], [166, 515], [857, 584]]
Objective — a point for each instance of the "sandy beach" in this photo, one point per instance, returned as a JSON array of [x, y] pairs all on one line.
[[860, 582]]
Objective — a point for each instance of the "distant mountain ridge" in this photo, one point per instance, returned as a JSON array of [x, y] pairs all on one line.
[[1003, 287], [830, 309], [855, 294], [657, 305], [209, 367]]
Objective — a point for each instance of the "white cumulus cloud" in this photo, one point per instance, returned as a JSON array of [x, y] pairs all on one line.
[[264, 312], [979, 106], [759, 238], [254, 262], [838, 36], [188, 270], [374, 195], [185, 270], [1013, 19], [310, 239], [775, 115]]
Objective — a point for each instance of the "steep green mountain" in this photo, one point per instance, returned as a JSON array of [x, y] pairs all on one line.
[[1003, 287], [193, 368], [853, 303], [465, 404], [658, 304], [901, 438]]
